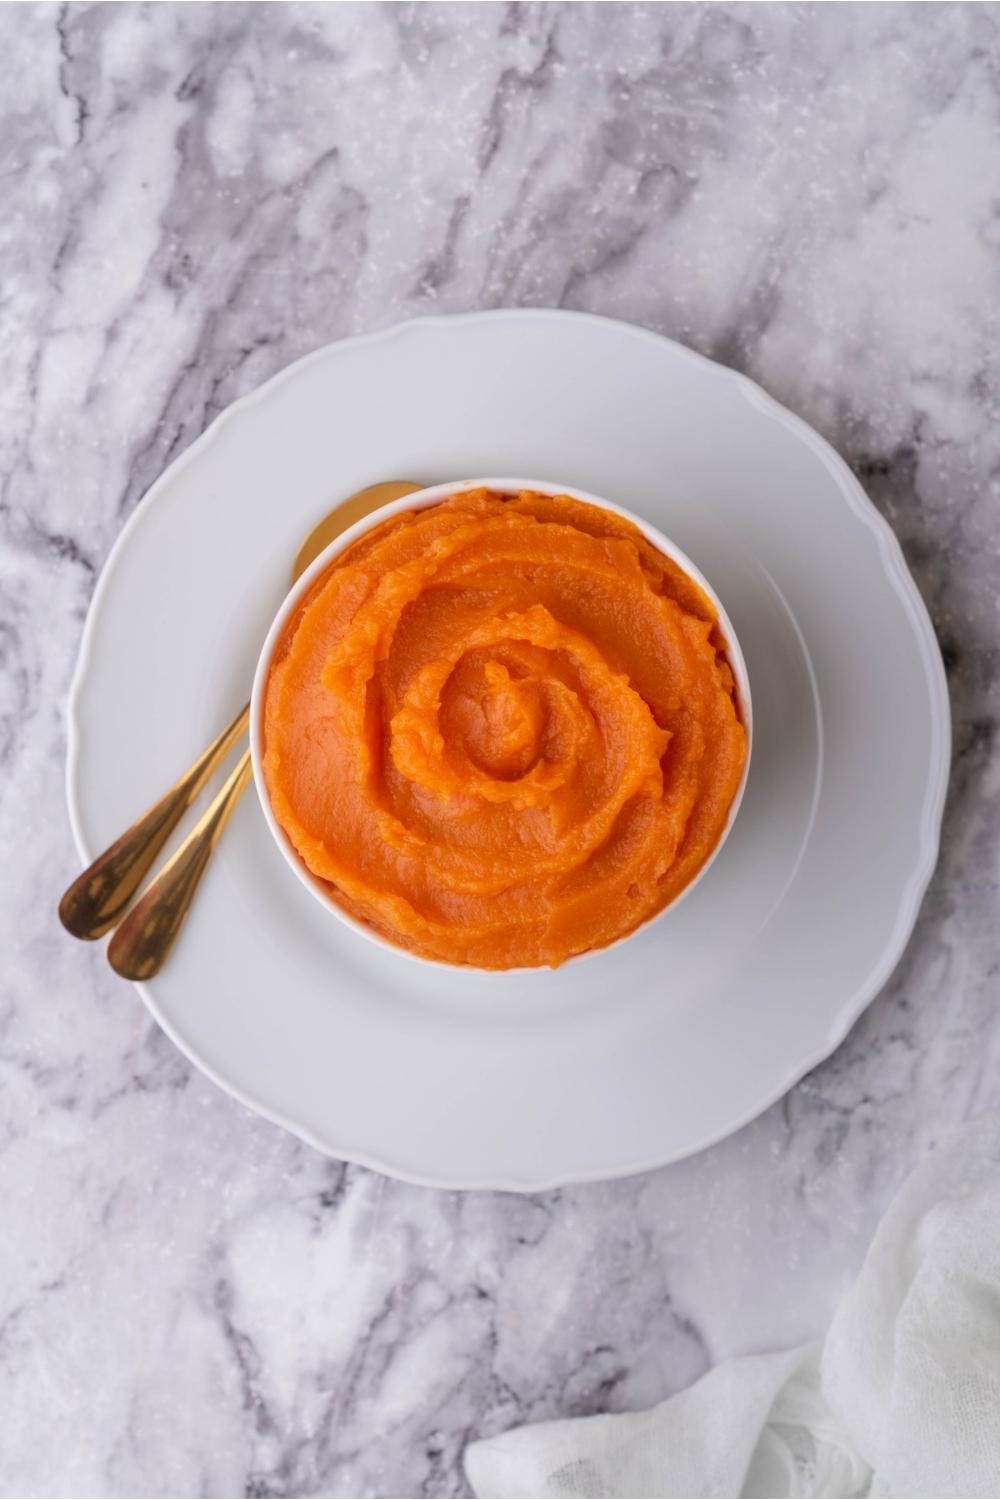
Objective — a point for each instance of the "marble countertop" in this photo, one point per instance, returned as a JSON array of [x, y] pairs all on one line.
[[191, 1301]]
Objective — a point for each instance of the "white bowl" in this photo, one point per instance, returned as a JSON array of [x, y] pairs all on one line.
[[420, 500]]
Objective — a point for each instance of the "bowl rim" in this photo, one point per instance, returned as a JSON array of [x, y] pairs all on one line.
[[422, 499]]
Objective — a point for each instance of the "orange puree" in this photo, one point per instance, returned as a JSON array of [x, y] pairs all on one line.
[[502, 730]]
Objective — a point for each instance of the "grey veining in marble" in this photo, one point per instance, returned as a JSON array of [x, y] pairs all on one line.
[[192, 1302]]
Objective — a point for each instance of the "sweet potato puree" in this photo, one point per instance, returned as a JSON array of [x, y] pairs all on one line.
[[502, 729]]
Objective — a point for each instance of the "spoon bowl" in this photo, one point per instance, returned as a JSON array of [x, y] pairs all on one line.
[[98, 900]]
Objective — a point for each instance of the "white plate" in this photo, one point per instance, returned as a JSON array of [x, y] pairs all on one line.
[[674, 1039]]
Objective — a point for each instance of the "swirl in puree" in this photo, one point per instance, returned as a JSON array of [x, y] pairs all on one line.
[[503, 729]]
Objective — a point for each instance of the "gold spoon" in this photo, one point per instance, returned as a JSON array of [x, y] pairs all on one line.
[[99, 898]]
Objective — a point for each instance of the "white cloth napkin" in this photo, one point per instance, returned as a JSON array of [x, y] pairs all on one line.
[[902, 1398]]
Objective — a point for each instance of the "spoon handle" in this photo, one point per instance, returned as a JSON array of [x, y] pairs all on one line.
[[142, 943], [99, 897]]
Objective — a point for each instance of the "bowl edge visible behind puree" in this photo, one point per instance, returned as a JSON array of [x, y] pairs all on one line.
[[502, 730]]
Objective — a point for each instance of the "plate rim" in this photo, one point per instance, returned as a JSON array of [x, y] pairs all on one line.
[[898, 576]]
